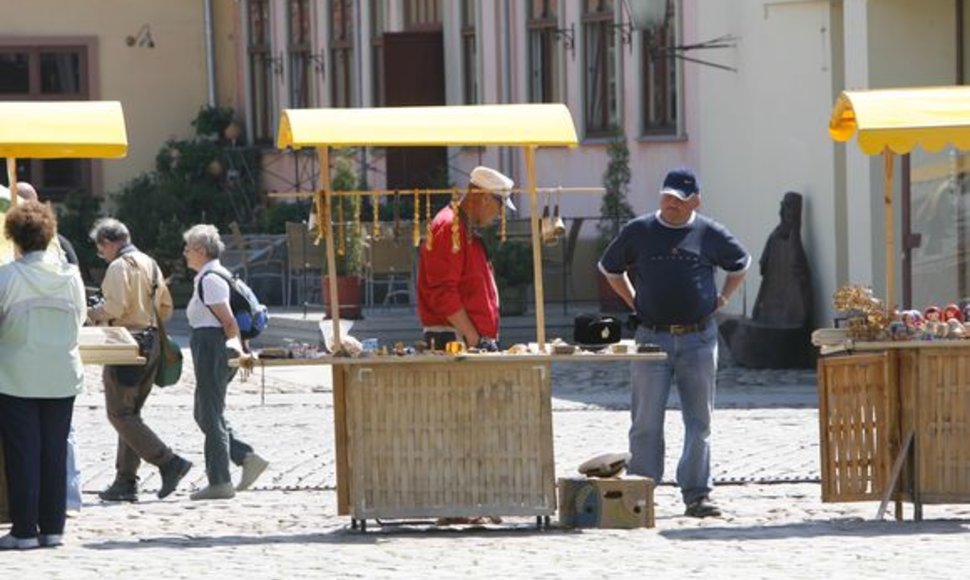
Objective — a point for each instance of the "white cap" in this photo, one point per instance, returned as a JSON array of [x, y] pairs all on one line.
[[494, 182]]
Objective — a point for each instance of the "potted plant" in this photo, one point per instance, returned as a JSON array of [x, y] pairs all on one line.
[[615, 212], [512, 262], [350, 262]]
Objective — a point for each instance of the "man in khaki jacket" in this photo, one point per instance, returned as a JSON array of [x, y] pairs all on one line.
[[133, 289]]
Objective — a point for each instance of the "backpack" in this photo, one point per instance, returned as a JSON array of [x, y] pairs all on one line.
[[251, 316]]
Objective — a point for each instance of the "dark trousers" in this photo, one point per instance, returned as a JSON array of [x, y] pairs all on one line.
[[34, 435], [126, 388], [212, 375]]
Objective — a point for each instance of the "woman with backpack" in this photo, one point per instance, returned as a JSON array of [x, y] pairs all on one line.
[[214, 332]]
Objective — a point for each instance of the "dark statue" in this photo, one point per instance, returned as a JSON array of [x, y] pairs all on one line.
[[779, 331]]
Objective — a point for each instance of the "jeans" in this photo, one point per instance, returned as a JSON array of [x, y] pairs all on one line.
[[692, 361], [73, 474], [35, 447], [212, 376]]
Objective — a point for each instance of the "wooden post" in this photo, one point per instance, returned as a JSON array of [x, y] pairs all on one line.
[[325, 222], [12, 179], [887, 157], [530, 170]]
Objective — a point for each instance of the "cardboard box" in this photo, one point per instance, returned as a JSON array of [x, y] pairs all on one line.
[[616, 502]]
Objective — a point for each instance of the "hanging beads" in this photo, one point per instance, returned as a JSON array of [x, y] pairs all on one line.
[[375, 206], [416, 226], [341, 232], [455, 223], [427, 218]]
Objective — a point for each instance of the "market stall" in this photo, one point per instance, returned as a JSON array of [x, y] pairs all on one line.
[[894, 404], [64, 129], [432, 435]]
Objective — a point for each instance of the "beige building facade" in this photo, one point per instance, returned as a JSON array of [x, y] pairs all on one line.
[[148, 55], [751, 118]]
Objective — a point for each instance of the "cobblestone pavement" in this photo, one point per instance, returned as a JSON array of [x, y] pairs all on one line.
[[766, 432]]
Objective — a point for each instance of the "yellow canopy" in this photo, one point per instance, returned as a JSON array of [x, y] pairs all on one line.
[[55, 129], [527, 124], [900, 119]]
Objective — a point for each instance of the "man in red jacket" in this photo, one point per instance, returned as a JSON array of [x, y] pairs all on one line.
[[457, 296]]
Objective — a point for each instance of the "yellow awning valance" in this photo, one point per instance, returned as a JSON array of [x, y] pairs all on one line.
[[57, 129], [527, 124], [901, 119]]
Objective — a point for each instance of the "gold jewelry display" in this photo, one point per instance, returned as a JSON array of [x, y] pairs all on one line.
[[427, 218], [375, 207], [416, 226], [341, 232]]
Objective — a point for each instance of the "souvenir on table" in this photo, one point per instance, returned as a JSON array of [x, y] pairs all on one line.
[[868, 317], [932, 323], [952, 311]]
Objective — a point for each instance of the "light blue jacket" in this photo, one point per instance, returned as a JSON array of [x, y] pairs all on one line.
[[42, 308]]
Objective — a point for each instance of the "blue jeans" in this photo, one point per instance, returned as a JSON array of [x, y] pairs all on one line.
[[692, 361], [73, 474]]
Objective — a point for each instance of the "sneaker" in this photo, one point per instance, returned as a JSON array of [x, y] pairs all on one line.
[[172, 472], [120, 490], [218, 491], [51, 540], [702, 508], [10, 542], [253, 466]]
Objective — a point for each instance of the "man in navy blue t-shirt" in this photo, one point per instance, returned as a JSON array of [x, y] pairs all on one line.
[[662, 265]]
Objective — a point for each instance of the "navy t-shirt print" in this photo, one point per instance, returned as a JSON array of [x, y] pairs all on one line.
[[672, 268]]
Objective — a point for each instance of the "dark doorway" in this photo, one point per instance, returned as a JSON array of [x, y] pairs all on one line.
[[414, 74]]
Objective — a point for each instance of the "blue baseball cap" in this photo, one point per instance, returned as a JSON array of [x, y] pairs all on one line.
[[681, 183]]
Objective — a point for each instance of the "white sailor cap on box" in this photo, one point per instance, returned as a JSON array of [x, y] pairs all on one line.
[[494, 182]]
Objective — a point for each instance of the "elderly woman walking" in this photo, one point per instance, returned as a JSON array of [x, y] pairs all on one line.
[[214, 331], [42, 308]]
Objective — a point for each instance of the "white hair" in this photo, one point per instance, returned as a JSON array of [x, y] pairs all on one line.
[[205, 236]]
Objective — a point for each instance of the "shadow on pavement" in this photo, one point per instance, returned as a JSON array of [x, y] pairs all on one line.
[[840, 528], [341, 535]]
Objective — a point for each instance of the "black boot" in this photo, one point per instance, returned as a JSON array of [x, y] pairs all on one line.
[[172, 472], [120, 490]]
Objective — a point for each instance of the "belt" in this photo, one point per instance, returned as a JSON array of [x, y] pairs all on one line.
[[676, 328]]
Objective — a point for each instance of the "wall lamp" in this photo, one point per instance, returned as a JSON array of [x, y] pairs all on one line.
[[568, 38], [142, 38]]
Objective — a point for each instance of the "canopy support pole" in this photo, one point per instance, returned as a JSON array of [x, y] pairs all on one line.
[[12, 180], [324, 220], [530, 171], [887, 156]]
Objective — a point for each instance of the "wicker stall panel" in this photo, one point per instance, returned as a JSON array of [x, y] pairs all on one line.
[[858, 432], [431, 440], [942, 415]]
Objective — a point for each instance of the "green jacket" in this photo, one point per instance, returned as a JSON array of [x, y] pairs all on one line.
[[42, 308]]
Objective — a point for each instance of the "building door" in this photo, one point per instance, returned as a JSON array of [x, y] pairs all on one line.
[[47, 73], [414, 74]]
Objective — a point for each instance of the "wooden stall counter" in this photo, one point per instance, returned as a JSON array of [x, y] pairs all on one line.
[[894, 422], [434, 435]]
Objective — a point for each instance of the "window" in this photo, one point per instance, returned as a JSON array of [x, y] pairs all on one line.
[[377, 51], [469, 53], [300, 49], [660, 100], [47, 73], [543, 23], [260, 70], [422, 14], [341, 53], [600, 80]]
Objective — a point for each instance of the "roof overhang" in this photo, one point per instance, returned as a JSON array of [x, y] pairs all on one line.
[[482, 125], [58, 129], [901, 119]]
